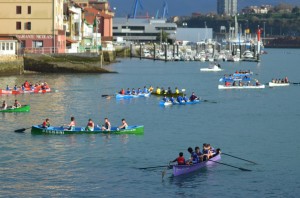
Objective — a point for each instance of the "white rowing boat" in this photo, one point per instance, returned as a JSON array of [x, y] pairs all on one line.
[[271, 84], [241, 87]]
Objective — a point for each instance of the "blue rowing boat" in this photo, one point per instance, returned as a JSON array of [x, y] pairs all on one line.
[[140, 95], [237, 78]]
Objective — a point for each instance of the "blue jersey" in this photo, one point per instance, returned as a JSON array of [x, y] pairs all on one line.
[[194, 157], [179, 98]]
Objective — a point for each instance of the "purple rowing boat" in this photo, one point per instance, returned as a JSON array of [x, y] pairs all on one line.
[[184, 169]]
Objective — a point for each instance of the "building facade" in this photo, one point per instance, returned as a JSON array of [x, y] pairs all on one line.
[[38, 24], [142, 29], [227, 7]]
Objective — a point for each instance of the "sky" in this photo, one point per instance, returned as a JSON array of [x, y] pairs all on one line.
[[183, 7]]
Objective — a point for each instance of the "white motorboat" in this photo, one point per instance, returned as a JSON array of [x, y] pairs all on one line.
[[213, 68]]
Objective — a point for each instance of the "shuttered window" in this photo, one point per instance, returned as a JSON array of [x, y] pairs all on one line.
[[18, 25], [19, 10], [29, 10]]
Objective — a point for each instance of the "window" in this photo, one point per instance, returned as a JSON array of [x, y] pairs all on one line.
[[27, 26], [29, 10], [23, 44], [7, 46], [19, 10], [115, 28], [18, 25], [37, 44], [11, 46], [0, 46], [3, 46]]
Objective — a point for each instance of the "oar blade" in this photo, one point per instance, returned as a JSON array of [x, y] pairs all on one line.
[[20, 130], [244, 169]]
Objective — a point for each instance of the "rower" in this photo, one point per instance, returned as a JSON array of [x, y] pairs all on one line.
[[124, 125], [7, 88], [180, 159], [122, 91], [169, 91], [172, 99], [17, 104], [179, 99], [15, 88], [165, 99], [286, 80], [176, 90], [106, 126], [145, 89], [194, 158], [185, 99], [4, 105], [128, 92], [150, 88], [71, 126], [199, 154], [158, 90], [90, 125]]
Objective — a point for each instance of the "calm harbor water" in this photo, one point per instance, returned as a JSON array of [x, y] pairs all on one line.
[[259, 125]]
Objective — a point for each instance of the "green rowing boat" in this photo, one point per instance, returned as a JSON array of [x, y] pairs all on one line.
[[24, 108], [58, 130]]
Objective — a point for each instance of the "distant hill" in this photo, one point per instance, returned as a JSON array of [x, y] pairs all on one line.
[[183, 7]]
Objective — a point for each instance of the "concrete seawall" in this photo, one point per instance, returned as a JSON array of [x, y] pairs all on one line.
[[11, 65], [57, 63]]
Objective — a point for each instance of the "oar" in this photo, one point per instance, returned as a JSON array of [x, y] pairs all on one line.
[[243, 169], [163, 173], [22, 130], [152, 167], [105, 95], [209, 101], [238, 158]]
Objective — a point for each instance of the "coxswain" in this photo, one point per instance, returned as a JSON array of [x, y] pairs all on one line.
[[26, 84], [286, 80], [180, 159], [46, 123], [193, 97], [257, 83]]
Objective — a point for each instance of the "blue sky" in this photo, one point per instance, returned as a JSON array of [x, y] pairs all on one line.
[[183, 7]]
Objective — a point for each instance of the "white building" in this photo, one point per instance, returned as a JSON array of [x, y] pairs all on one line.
[[8, 46]]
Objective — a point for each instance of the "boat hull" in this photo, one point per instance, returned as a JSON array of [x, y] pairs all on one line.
[[24, 108], [278, 84], [121, 96], [185, 169], [15, 92], [162, 103], [57, 130], [241, 87], [215, 69], [175, 95]]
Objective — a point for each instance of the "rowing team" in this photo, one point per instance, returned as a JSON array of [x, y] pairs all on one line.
[[90, 125], [136, 92], [29, 86], [227, 83], [166, 91], [17, 104], [284, 80], [181, 99], [197, 156]]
